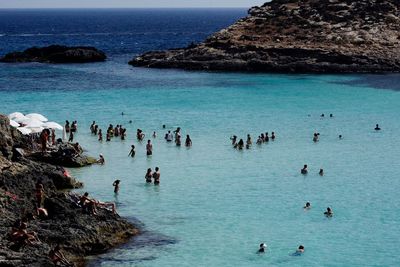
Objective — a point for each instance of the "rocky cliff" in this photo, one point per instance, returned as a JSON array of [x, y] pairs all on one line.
[[56, 54], [314, 36], [79, 233]]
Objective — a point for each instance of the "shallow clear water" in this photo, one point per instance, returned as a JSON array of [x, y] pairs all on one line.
[[216, 204]]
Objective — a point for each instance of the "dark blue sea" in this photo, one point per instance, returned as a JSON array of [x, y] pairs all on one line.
[[117, 32]]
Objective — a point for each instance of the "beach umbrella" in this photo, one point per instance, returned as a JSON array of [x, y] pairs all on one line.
[[52, 125], [14, 123], [15, 115], [24, 130], [35, 129], [21, 119], [32, 123], [37, 116]]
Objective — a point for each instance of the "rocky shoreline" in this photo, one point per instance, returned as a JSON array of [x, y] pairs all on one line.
[[56, 54], [289, 36], [80, 234]]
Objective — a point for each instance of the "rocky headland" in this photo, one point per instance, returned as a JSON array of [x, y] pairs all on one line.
[[79, 233], [56, 54], [304, 36]]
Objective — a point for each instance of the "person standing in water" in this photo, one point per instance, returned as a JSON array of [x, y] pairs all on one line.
[[321, 172], [100, 135], [234, 138], [148, 175], [304, 170], [116, 186], [154, 134], [71, 136], [149, 148], [92, 126], [156, 176], [377, 128], [248, 142], [132, 152], [273, 136], [66, 127], [178, 140], [108, 136], [188, 141]]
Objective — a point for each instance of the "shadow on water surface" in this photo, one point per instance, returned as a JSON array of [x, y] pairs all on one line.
[[389, 81], [143, 247]]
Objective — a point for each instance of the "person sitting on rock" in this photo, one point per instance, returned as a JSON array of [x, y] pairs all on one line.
[[58, 258], [87, 204], [23, 237]]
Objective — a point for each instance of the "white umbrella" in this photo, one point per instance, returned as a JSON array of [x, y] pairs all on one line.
[[35, 129], [33, 123], [37, 116], [14, 123], [15, 115], [52, 125], [24, 130], [21, 119]]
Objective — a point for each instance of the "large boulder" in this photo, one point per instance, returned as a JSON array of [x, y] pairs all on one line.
[[56, 54]]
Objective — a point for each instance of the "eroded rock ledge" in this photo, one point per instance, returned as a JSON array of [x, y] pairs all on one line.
[[305, 36]]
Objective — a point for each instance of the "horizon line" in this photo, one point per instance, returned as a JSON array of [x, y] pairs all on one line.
[[193, 7]]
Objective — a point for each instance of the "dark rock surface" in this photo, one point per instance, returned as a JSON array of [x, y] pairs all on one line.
[[304, 36], [80, 234], [56, 54], [66, 155]]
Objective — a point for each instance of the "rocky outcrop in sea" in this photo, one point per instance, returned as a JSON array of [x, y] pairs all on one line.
[[56, 54], [79, 233], [304, 36]]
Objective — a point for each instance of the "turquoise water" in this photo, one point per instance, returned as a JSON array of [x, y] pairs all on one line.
[[216, 204]]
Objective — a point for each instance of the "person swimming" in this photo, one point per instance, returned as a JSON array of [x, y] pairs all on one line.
[[331, 115], [328, 213], [148, 175], [321, 172], [340, 136], [322, 115], [262, 248], [299, 251], [132, 153], [304, 170], [307, 206], [116, 186], [377, 128]]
